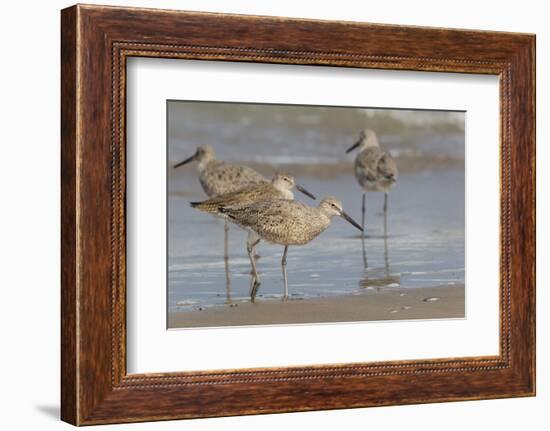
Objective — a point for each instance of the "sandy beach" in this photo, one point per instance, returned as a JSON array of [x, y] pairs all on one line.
[[386, 304]]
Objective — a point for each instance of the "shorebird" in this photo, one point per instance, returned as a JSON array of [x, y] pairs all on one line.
[[280, 187], [375, 170], [287, 222], [218, 177]]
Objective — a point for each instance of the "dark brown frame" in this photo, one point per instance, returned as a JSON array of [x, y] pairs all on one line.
[[95, 43]]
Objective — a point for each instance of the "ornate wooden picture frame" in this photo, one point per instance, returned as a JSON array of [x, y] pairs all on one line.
[[96, 41]]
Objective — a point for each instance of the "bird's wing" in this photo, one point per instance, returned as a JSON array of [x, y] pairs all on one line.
[[241, 197], [270, 210], [387, 168], [229, 177], [367, 161], [273, 220]]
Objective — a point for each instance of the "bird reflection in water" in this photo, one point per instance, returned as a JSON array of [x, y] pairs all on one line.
[[378, 278], [228, 299]]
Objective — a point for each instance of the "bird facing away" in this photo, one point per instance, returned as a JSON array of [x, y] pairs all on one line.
[[375, 170], [287, 222], [280, 187], [218, 177]]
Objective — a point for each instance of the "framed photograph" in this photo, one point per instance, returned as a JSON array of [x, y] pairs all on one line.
[[264, 215]]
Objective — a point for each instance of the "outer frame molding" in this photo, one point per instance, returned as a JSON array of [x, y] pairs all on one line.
[[95, 43]]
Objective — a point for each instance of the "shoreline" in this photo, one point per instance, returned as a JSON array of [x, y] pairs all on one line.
[[386, 304], [330, 170]]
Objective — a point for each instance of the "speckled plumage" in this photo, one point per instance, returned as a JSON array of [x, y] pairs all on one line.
[[286, 222], [375, 168], [279, 188], [283, 222], [218, 177], [375, 171]]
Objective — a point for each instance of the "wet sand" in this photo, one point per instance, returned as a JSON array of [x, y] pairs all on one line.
[[386, 304]]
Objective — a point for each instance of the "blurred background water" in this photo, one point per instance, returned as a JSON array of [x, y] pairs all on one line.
[[425, 245]]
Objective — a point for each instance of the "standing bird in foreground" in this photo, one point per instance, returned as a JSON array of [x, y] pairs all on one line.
[[279, 188], [287, 222], [375, 170]]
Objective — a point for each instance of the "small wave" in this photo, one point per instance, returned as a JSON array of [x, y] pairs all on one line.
[[290, 159]]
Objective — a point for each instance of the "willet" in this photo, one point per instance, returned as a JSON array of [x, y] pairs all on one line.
[[287, 222], [218, 177], [279, 188], [375, 170]]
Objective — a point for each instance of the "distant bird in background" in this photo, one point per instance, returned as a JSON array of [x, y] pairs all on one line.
[[279, 188], [375, 170], [287, 222]]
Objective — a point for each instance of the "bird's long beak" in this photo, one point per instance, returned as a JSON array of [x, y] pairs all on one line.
[[305, 192], [189, 159], [349, 219], [353, 147]]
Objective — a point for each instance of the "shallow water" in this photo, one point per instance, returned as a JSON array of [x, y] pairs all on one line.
[[424, 247]]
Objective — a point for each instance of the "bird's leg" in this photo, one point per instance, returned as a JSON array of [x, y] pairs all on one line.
[[386, 257], [227, 279], [283, 265], [365, 265], [363, 214], [226, 262], [255, 282], [385, 214], [226, 240]]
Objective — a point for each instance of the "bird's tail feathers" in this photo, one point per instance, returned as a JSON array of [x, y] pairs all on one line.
[[204, 206]]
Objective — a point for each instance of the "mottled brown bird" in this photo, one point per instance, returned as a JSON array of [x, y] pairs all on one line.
[[375, 170], [218, 177], [280, 187], [287, 222]]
